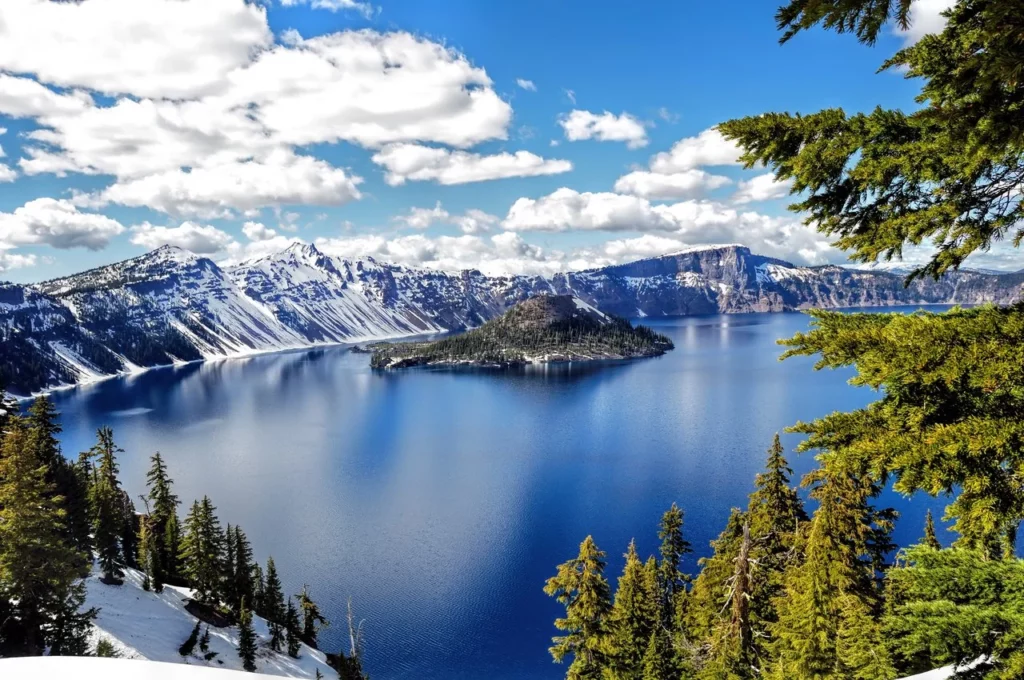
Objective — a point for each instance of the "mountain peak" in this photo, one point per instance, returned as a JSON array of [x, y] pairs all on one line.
[[300, 248]]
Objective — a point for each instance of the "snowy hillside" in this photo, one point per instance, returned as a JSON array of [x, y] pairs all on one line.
[[171, 306], [148, 625]]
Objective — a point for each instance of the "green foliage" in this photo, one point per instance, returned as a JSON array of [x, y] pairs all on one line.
[[581, 587], [201, 551], [949, 173], [69, 631], [243, 572], [150, 549], [673, 548], [954, 606], [635, 615], [189, 645], [107, 505], [291, 624], [930, 539], [246, 639], [948, 421], [273, 606], [38, 567], [164, 513], [312, 619], [105, 649]]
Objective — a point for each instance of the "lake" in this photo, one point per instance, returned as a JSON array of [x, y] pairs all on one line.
[[440, 501]]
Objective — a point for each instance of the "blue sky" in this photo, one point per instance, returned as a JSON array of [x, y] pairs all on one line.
[[402, 129]]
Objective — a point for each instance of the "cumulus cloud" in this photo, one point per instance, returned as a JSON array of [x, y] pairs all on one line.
[[526, 84], [707, 148], [606, 127], [7, 173], [422, 218], [10, 261], [475, 221], [685, 184], [690, 221], [926, 17], [415, 162], [280, 178], [257, 231], [200, 239], [57, 223], [163, 48], [761, 188]]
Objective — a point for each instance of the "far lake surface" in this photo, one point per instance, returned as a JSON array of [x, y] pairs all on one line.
[[440, 501]]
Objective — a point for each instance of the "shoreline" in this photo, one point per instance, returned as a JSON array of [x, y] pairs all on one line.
[[327, 345]]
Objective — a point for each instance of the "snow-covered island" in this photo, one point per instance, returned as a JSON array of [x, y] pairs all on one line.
[[543, 329]]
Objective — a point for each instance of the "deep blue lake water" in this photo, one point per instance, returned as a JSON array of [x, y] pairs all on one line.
[[440, 501]]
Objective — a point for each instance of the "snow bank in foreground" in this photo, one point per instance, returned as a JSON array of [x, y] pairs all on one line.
[[147, 625], [91, 668]]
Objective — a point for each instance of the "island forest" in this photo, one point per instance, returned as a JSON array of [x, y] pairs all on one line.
[[804, 583]]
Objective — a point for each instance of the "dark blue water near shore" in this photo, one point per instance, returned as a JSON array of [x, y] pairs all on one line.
[[440, 501]]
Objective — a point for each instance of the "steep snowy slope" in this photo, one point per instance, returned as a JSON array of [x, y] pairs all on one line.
[[147, 625], [170, 305]]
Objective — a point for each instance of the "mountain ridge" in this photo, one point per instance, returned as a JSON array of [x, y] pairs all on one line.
[[170, 306]]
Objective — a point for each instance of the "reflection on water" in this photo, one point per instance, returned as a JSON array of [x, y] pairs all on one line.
[[440, 500]]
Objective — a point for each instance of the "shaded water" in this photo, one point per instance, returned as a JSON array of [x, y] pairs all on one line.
[[440, 501]]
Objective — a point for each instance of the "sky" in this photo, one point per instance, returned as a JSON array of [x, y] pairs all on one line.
[[511, 137]]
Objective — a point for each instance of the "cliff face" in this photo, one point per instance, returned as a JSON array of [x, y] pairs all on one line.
[[170, 305]]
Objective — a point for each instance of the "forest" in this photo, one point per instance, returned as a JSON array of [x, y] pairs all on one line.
[[60, 519]]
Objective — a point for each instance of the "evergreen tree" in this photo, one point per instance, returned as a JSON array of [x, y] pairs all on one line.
[[581, 587], [107, 506], [312, 619], [171, 544], [228, 577], [204, 640], [38, 567], [659, 661], [673, 548], [201, 551], [68, 634], [350, 665], [259, 590], [244, 587], [930, 539], [635, 614], [130, 531], [164, 511], [149, 547], [105, 649], [273, 605], [291, 624], [246, 639], [709, 601], [189, 644], [831, 598]]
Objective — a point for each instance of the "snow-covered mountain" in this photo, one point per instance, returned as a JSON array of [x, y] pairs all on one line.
[[171, 306]]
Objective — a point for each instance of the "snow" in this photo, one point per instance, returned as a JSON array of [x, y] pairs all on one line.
[[93, 668], [580, 304], [147, 625]]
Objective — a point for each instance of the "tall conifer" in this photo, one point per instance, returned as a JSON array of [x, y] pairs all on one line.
[[246, 639], [274, 607], [581, 587], [635, 614], [291, 624], [930, 539], [312, 619], [107, 506]]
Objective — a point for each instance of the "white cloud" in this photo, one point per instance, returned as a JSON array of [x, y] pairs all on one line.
[[684, 184], [707, 148], [200, 239], [10, 261], [256, 231], [364, 8], [691, 221], [526, 84], [280, 178], [570, 95], [420, 163], [57, 223], [475, 221], [668, 116], [7, 174], [157, 48], [605, 127], [423, 218], [926, 17], [761, 188]]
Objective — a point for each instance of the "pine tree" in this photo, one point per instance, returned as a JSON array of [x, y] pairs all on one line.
[[291, 624], [312, 619], [201, 554], [259, 588], [107, 507], [189, 644], [130, 531], [38, 567], [930, 539], [68, 633], [635, 614], [245, 587], [273, 604], [708, 600], [164, 512], [581, 587], [673, 548], [228, 578], [833, 593], [204, 640], [246, 639], [149, 548], [659, 662]]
